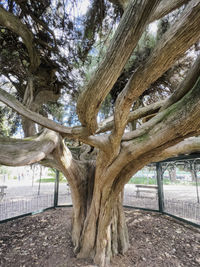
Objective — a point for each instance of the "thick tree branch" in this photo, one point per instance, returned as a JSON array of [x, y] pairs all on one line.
[[178, 122], [191, 78], [39, 21], [181, 91], [174, 43], [71, 132], [165, 7], [14, 152], [144, 128], [122, 3], [127, 35], [63, 157], [151, 124], [76, 132], [108, 123], [79, 175], [11, 22], [187, 146]]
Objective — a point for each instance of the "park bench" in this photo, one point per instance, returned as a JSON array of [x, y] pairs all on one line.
[[141, 188], [2, 193]]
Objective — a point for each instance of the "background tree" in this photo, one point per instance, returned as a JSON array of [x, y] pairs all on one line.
[[45, 56]]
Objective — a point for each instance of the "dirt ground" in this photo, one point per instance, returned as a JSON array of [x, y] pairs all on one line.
[[44, 240]]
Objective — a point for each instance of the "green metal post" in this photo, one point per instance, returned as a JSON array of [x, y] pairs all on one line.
[[160, 186], [56, 188]]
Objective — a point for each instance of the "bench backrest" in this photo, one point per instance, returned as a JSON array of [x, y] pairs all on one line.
[[146, 186]]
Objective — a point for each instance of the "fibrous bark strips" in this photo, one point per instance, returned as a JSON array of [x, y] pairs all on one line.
[[98, 172]]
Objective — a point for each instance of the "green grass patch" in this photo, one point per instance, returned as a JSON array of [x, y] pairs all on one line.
[[142, 180], [46, 180], [153, 181], [49, 180]]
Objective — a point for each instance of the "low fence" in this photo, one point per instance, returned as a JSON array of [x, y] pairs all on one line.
[[15, 207], [183, 209], [177, 200]]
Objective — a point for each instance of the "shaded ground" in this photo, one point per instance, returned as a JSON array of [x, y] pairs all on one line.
[[44, 240]]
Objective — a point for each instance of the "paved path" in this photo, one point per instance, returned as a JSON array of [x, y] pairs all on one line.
[[24, 189]]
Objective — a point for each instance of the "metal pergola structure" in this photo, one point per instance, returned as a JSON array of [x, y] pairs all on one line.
[[192, 161]]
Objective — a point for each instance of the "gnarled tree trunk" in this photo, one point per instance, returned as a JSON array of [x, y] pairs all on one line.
[[98, 227], [172, 173], [99, 231]]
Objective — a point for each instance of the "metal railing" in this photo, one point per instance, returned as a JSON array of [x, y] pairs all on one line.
[[16, 207], [183, 209]]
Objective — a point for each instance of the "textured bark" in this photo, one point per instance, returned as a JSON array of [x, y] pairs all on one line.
[[139, 113], [104, 233], [185, 86], [112, 235], [14, 24], [10, 101], [15, 152], [98, 227], [29, 128], [166, 7], [163, 8], [98, 175], [181, 35], [172, 173], [127, 35]]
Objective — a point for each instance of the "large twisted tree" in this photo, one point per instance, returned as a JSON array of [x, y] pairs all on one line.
[[41, 48]]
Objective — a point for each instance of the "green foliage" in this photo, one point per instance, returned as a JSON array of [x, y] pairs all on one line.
[[68, 59], [50, 180], [142, 180], [153, 181], [4, 170], [143, 49], [46, 180], [52, 173]]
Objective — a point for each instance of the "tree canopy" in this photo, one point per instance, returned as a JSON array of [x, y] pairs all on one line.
[[99, 94]]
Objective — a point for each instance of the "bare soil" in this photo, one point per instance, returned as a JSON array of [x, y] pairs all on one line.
[[44, 240]]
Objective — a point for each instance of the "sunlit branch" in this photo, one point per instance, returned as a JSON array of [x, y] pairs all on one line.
[[10, 101], [142, 112], [181, 36], [16, 152], [186, 85], [127, 35], [187, 146], [172, 121], [76, 132], [165, 7]]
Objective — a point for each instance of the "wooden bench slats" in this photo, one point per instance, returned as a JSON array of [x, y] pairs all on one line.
[[146, 189]]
